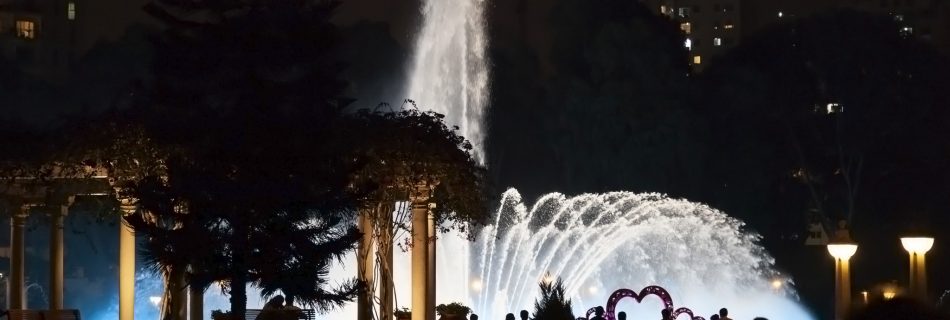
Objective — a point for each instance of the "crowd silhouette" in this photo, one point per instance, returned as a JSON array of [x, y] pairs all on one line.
[[898, 308]]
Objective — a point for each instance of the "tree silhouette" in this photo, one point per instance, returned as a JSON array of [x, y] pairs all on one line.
[[552, 304]]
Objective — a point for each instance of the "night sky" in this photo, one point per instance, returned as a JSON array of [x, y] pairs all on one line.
[[715, 137]]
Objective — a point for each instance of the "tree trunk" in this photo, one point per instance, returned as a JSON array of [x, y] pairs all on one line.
[[174, 300], [239, 269], [384, 253]]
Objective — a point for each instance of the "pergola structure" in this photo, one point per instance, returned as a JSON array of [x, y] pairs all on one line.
[[57, 190]]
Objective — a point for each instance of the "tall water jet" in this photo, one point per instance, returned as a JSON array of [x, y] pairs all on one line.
[[449, 71]]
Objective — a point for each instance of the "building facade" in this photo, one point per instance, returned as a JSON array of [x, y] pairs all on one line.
[[46, 37], [711, 27]]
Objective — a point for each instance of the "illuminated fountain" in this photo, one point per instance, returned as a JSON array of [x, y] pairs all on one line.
[[449, 70], [598, 243]]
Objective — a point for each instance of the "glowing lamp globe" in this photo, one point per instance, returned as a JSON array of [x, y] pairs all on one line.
[[918, 245], [842, 251]]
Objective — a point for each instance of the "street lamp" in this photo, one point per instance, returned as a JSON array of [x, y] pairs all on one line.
[[917, 248], [842, 252]]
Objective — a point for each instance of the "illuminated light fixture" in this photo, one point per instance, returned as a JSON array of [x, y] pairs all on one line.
[[776, 284], [476, 285], [842, 252], [888, 295], [917, 248], [864, 295], [728, 26], [780, 14], [917, 244]]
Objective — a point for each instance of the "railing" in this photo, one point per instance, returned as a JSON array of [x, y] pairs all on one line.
[[303, 314], [68, 314]]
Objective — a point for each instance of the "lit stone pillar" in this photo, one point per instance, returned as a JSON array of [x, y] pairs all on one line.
[[126, 263], [921, 276], [842, 253], [419, 199], [430, 298], [17, 254], [56, 255], [365, 265], [196, 303]]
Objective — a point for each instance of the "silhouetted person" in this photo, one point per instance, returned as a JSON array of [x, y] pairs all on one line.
[[714, 317], [473, 317], [622, 316], [724, 314], [291, 308], [667, 314], [524, 314], [510, 316], [272, 308], [598, 313]]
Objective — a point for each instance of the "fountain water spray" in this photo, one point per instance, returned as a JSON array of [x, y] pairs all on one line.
[[449, 73], [598, 243]]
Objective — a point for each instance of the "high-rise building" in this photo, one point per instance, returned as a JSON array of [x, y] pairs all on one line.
[[710, 26], [713, 26], [46, 37]]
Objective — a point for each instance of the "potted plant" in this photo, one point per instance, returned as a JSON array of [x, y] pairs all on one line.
[[452, 311], [403, 314], [220, 315]]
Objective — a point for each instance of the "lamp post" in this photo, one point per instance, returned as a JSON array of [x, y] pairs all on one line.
[[917, 248], [842, 252]]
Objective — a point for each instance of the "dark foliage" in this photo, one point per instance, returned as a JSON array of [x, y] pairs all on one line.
[[553, 304]]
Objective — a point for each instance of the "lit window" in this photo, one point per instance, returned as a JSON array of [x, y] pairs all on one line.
[[71, 10], [689, 44], [717, 41], [684, 12], [727, 26], [834, 108], [907, 30], [25, 29], [899, 17], [697, 59], [685, 27]]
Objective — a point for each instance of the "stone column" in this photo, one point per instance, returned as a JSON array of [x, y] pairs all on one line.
[[17, 254], [419, 199], [56, 254], [430, 298], [196, 302], [126, 262], [842, 288], [365, 266]]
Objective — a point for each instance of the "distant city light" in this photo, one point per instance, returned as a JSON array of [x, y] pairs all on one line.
[[780, 14]]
